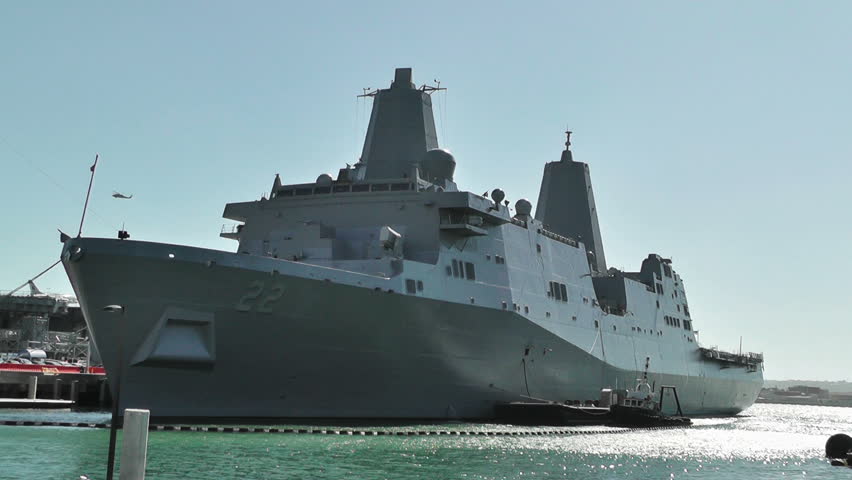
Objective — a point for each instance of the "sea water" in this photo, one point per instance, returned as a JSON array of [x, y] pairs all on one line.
[[765, 441]]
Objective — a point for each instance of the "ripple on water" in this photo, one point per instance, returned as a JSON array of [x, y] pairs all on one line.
[[769, 441]]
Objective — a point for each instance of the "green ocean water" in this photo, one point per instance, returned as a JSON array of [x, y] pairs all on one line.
[[766, 441]]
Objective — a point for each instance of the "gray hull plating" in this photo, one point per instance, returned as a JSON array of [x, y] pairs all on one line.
[[212, 334]]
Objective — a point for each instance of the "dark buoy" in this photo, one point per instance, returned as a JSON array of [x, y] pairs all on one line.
[[838, 445]]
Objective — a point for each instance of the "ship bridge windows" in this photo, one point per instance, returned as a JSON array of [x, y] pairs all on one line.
[[470, 271], [361, 187], [558, 291], [660, 288], [413, 286], [463, 269], [380, 187]]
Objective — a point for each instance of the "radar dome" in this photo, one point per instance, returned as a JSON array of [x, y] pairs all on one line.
[[438, 165], [523, 207], [497, 195], [324, 180]]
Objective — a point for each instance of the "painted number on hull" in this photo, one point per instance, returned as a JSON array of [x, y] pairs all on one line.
[[259, 298]]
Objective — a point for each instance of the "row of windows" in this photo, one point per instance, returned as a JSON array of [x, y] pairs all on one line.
[[497, 259], [558, 291], [672, 321], [413, 286], [676, 322], [461, 269]]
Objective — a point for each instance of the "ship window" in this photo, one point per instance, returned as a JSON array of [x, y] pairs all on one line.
[[322, 190], [564, 291], [487, 257], [396, 187], [585, 300], [380, 187], [658, 304], [505, 306], [455, 268], [526, 309], [678, 307], [449, 271], [469, 270], [547, 314], [419, 285], [538, 247], [304, 191], [341, 188], [284, 193], [596, 324], [361, 187], [660, 288], [686, 310], [410, 286], [574, 318], [613, 328], [667, 270]]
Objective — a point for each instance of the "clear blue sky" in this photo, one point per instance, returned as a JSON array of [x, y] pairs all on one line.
[[717, 132]]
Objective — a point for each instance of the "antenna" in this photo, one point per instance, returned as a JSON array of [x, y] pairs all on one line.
[[368, 92], [88, 192]]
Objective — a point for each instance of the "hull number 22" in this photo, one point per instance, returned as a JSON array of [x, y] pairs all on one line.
[[259, 298]]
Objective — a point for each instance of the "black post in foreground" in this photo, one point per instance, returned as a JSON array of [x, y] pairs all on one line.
[[113, 424]]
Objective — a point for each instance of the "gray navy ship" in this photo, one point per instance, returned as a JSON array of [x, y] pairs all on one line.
[[389, 292]]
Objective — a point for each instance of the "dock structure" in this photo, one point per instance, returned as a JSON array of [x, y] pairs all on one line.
[[54, 326]]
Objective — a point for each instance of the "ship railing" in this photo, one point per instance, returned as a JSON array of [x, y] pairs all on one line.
[[558, 238], [749, 358], [233, 228], [360, 187], [519, 223]]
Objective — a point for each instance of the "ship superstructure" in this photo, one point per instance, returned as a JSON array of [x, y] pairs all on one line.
[[387, 292]]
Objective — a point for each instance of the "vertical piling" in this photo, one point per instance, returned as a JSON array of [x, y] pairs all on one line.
[[134, 444], [32, 386], [74, 385], [102, 393], [57, 389]]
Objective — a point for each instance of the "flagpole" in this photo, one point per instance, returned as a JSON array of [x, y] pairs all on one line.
[[88, 192]]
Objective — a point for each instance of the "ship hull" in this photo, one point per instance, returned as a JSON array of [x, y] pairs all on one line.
[[202, 333]]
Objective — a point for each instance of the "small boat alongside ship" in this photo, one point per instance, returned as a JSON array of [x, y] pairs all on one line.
[[639, 407]]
